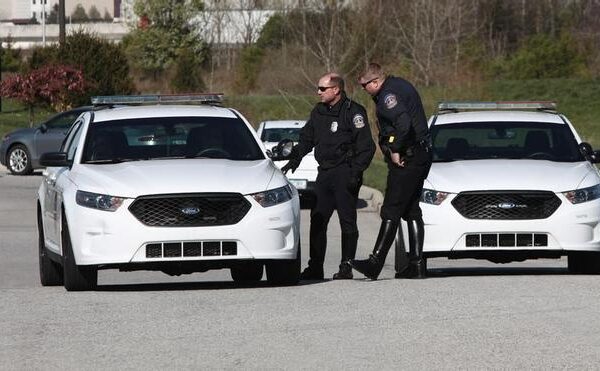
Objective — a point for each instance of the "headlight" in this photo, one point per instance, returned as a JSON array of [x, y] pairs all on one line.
[[430, 196], [273, 196], [98, 201], [583, 195]]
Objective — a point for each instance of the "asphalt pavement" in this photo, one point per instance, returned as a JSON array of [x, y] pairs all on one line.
[[468, 315]]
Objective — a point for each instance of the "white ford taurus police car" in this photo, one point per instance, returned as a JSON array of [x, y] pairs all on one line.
[[174, 188], [509, 182]]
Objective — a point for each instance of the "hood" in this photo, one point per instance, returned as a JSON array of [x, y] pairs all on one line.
[[23, 131], [132, 179], [473, 175]]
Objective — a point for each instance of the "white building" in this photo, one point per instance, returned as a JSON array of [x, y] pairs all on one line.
[[18, 10]]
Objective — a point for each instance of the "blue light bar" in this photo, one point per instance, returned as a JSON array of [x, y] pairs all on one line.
[[476, 106], [212, 98]]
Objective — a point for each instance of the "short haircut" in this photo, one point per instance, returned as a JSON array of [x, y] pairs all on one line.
[[337, 80], [372, 71]]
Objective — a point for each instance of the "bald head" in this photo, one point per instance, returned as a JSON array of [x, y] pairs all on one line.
[[330, 88]]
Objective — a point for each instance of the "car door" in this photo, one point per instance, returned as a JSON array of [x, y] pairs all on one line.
[[54, 180], [51, 134]]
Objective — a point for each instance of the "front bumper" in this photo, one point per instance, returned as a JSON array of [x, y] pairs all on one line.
[[107, 238], [569, 228]]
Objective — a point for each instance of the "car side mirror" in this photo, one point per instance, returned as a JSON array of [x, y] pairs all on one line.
[[44, 128], [588, 152], [282, 151], [55, 159]]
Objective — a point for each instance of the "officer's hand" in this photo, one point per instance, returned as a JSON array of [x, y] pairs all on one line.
[[396, 159], [291, 165]]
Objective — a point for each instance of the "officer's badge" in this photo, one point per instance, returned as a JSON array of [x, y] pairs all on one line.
[[334, 126], [359, 121], [390, 101]]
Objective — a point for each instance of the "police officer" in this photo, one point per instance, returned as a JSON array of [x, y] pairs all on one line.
[[404, 141], [339, 132]]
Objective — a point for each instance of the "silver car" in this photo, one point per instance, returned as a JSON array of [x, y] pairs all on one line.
[[21, 149]]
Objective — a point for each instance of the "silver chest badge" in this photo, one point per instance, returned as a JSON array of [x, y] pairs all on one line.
[[334, 126]]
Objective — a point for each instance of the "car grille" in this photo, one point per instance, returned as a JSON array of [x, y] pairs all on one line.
[[506, 205], [190, 210], [191, 249], [506, 240]]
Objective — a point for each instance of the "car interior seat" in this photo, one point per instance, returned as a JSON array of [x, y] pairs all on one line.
[[204, 137], [108, 145], [537, 141], [274, 137], [456, 148]]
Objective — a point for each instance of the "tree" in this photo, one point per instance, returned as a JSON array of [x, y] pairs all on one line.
[[169, 28], [79, 15], [103, 63], [53, 85], [94, 14], [187, 77], [10, 58]]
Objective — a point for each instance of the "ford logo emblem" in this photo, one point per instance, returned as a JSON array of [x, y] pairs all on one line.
[[190, 210], [506, 205]]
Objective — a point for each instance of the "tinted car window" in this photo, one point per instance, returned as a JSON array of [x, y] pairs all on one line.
[[170, 137], [278, 134], [512, 140], [62, 121]]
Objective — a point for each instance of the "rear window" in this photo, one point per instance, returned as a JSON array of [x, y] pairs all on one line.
[[170, 137], [278, 134], [510, 140]]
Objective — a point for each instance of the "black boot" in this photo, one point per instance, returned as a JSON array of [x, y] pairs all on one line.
[[417, 267], [312, 273], [372, 266], [349, 242]]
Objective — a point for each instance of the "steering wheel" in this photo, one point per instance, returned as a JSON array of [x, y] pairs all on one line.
[[541, 156], [213, 152]]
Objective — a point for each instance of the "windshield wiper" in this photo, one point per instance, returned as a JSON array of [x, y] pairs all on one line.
[[112, 160]]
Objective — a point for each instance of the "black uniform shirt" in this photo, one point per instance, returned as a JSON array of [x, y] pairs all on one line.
[[402, 122], [339, 134]]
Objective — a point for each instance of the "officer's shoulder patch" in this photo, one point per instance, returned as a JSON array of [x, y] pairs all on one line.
[[390, 101], [359, 121]]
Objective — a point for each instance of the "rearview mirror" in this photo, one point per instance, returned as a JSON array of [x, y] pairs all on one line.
[[282, 150], [588, 152], [55, 159]]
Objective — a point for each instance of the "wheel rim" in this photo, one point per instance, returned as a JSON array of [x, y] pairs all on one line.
[[18, 160]]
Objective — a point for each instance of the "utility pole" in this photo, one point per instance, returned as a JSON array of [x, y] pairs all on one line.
[[44, 23], [61, 22]]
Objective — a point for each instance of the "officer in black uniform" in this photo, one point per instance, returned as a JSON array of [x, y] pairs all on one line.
[[339, 132], [405, 142]]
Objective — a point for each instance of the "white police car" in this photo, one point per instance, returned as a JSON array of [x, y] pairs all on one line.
[[511, 181], [271, 133], [174, 188]]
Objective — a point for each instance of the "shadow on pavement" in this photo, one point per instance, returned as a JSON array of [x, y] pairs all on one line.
[[485, 271], [183, 286]]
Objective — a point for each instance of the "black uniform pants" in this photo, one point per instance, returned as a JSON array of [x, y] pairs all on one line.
[[332, 192], [404, 187]]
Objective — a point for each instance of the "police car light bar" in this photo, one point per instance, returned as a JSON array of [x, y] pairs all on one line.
[[212, 98], [466, 106]]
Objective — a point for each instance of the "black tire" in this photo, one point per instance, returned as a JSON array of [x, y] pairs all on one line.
[[584, 262], [247, 272], [76, 277], [18, 160], [284, 272], [51, 273]]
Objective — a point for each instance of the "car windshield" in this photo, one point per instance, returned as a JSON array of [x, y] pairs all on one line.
[[278, 134], [511, 140], [170, 137]]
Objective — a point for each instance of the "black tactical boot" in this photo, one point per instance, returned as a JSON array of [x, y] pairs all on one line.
[[312, 273], [349, 242], [372, 266], [417, 267]]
